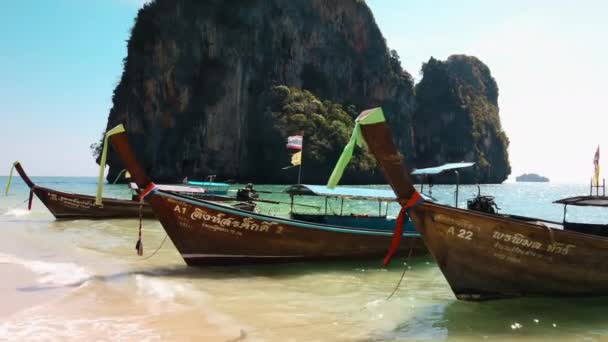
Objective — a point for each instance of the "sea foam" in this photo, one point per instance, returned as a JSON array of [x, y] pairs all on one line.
[[51, 273], [17, 212]]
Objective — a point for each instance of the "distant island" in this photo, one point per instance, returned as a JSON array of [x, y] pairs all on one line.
[[531, 177]]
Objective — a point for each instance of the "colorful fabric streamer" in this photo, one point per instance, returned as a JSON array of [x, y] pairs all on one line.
[[398, 231], [10, 177], [369, 117], [102, 161]]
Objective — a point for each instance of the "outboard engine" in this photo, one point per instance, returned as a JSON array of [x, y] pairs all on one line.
[[247, 193], [484, 204]]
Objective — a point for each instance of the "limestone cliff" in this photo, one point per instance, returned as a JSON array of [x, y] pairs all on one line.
[[456, 119], [196, 89], [215, 86]]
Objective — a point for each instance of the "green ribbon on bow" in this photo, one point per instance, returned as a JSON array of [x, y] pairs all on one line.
[[368, 117], [102, 161], [10, 177]]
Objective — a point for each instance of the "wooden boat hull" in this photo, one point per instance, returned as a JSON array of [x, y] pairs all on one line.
[[65, 205], [208, 234], [484, 256]]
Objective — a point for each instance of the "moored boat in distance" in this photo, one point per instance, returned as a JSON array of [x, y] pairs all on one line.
[[210, 186], [207, 234], [488, 256], [66, 205]]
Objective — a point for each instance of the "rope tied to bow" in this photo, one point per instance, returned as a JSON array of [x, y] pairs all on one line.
[[412, 202], [146, 191], [139, 246]]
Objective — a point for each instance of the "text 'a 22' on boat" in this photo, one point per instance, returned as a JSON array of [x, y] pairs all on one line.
[[487, 256]]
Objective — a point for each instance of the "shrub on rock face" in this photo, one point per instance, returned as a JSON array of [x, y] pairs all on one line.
[[326, 127]]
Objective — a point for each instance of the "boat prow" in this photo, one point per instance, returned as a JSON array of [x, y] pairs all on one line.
[[65, 205], [485, 256], [209, 234]]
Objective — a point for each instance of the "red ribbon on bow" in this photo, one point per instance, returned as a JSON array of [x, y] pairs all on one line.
[[146, 191], [398, 231]]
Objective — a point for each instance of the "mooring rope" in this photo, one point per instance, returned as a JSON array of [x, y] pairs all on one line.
[[403, 273], [338, 316], [139, 246], [158, 249], [244, 333]]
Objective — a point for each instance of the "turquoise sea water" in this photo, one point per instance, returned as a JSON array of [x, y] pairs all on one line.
[[93, 284]]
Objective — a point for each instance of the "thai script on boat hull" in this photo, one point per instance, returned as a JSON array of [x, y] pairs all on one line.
[[71, 202], [223, 222], [521, 240]]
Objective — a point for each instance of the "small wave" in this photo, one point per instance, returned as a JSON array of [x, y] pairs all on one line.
[[63, 329], [374, 303], [179, 295], [51, 273], [17, 212], [162, 290]]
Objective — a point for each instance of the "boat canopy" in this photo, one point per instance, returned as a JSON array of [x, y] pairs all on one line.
[[208, 184], [585, 201], [343, 192], [175, 188], [439, 169]]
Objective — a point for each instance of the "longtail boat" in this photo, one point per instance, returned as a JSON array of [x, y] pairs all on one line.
[[488, 256], [66, 205], [208, 234]]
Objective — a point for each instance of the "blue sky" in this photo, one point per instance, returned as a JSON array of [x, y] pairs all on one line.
[[60, 61]]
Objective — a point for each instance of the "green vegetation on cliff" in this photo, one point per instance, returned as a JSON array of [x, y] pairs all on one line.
[[456, 118], [326, 126]]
